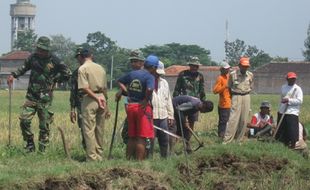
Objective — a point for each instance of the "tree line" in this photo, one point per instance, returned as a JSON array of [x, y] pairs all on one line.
[[104, 48]]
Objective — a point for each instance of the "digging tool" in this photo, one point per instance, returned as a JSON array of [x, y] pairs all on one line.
[[114, 129], [183, 139], [200, 143], [168, 132], [282, 116], [64, 142], [10, 82]]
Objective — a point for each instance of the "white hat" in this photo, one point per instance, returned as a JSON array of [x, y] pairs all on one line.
[[161, 68], [225, 65]]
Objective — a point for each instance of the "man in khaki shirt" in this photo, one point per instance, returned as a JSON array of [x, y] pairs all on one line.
[[92, 80], [241, 84]]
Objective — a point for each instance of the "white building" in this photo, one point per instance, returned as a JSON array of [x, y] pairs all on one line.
[[23, 18]]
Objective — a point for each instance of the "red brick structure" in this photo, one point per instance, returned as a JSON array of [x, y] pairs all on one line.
[[9, 63]]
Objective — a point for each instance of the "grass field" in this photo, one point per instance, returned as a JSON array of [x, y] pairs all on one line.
[[251, 165]]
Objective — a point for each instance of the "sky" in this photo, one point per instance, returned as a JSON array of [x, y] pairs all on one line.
[[278, 27]]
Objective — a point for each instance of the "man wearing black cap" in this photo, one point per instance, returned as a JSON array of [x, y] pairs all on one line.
[[261, 123], [76, 96], [92, 81]]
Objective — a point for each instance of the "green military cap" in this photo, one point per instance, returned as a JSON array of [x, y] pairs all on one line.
[[194, 60], [136, 54], [78, 51], [44, 43]]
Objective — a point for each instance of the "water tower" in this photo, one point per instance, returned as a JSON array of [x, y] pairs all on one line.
[[23, 14]]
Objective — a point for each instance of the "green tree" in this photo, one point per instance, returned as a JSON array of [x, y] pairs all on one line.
[[306, 52], [175, 53], [238, 48], [234, 50], [25, 40], [257, 57], [103, 49], [279, 59], [64, 49]]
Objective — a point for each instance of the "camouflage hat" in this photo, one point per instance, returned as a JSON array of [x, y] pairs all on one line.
[[265, 104], [78, 51], [194, 60], [44, 43], [136, 54]]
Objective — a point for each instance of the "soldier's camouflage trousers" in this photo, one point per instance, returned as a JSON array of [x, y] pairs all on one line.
[[29, 109]]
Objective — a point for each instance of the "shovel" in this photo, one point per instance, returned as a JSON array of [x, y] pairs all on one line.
[[200, 143]]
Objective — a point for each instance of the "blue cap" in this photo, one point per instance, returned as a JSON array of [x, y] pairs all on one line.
[[151, 60]]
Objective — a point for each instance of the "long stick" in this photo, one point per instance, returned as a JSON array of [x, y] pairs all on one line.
[[114, 129], [282, 116], [10, 84], [183, 140], [10, 113], [64, 142]]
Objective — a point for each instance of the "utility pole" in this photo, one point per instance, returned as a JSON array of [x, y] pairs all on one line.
[[111, 80], [226, 40]]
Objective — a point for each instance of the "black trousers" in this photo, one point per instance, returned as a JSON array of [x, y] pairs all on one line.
[[223, 119], [288, 129]]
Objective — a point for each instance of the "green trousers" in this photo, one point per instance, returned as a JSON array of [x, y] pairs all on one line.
[[29, 109]]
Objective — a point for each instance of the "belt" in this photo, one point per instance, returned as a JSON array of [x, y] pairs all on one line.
[[240, 94], [98, 92]]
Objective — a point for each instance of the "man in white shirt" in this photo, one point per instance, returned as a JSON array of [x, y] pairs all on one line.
[[289, 108], [162, 110]]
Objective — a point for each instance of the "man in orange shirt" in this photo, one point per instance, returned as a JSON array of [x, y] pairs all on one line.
[[221, 88]]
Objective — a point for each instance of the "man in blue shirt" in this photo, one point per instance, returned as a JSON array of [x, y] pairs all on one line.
[[139, 85]]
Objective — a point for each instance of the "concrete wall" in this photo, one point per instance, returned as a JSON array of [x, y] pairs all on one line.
[[270, 83], [264, 83]]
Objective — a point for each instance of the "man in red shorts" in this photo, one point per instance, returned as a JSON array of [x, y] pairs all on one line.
[[139, 85]]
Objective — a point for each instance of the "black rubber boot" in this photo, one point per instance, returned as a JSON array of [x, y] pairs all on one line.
[[30, 147]]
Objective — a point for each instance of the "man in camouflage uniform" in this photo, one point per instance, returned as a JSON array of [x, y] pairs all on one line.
[[76, 97], [46, 71], [190, 82]]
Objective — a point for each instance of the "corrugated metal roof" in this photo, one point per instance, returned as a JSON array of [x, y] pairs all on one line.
[[16, 55]]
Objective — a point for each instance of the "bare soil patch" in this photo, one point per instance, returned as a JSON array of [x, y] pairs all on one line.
[[231, 170], [115, 178]]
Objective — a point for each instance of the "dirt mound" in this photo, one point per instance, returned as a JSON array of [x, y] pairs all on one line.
[[231, 169], [116, 178]]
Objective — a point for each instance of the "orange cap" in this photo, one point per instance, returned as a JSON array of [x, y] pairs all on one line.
[[245, 61], [291, 75]]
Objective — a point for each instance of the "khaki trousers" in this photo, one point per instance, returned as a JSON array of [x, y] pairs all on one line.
[[93, 127], [238, 118]]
